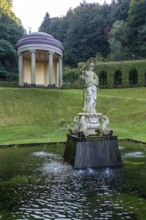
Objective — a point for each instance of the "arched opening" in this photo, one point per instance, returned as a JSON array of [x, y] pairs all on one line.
[[103, 79], [133, 77], [118, 78], [145, 78]]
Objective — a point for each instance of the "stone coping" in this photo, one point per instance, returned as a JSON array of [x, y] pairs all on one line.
[[92, 137], [132, 140], [63, 142], [30, 144]]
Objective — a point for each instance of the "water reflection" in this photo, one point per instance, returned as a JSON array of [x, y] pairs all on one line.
[[73, 194]]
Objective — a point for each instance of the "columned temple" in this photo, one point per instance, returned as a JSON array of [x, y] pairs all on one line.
[[40, 60]]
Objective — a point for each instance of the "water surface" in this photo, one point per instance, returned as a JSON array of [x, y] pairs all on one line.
[[35, 183]]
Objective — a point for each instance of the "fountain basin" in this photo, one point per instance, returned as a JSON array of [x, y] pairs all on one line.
[[92, 152], [35, 183]]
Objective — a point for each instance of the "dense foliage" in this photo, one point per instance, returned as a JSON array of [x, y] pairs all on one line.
[[10, 32], [83, 31], [115, 31]]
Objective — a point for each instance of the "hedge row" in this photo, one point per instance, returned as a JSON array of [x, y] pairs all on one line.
[[125, 68], [131, 74]]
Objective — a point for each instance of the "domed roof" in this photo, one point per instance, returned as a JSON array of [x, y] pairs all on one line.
[[39, 38]]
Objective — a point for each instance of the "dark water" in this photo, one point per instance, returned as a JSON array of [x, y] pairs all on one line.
[[35, 183]]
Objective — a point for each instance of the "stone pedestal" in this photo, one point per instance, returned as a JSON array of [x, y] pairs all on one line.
[[93, 151]]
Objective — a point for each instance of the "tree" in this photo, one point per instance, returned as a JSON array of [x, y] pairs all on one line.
[[8, 60], [46, 22], [85, 36], [83, 31], [136, 21], [5, 7], [137, 15], [118, 40], [141, 41], [10, 32], [119, 10]]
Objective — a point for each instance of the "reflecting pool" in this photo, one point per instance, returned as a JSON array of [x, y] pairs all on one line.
[[35, 183]]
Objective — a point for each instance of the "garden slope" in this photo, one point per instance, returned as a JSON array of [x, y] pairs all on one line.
[[41, 115]]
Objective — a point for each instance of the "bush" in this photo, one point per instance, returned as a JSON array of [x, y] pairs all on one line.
[[8, 84], [70, 75]]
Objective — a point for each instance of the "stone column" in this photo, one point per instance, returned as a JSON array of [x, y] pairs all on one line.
[[57, 75], [60, 72], [51, 68], [45, 75], [20, 68], [33, 68]]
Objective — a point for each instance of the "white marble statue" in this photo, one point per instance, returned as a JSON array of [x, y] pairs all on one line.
[[103, 130], [91, 82], [89, 122], [76, 127], [83, 125]]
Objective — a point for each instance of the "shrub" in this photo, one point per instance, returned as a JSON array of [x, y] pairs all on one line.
[[8, 84]]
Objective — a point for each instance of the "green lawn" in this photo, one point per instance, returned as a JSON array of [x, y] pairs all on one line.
[[40, 115]]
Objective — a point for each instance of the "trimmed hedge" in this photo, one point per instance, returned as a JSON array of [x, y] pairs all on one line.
[[136, 67], [116, 74]]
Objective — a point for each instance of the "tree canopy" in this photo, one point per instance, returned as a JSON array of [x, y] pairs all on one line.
[[10, 32], [110, 31], [115, 31], [83, 31]]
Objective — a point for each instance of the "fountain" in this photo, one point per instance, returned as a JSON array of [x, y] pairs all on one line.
[[90, 142]]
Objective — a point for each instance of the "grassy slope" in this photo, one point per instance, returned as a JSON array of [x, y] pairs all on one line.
[[39, 115]]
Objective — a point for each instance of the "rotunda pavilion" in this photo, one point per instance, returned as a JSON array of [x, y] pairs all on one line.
[[39, 60]]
